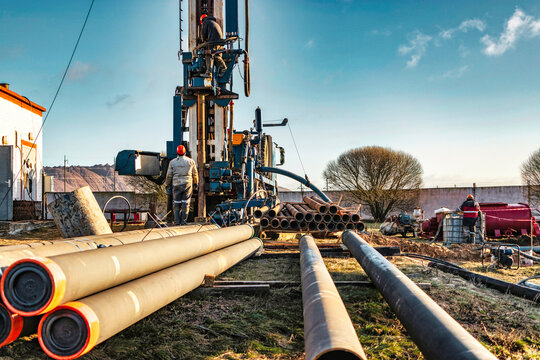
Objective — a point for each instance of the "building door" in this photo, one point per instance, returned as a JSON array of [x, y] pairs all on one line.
[[6, 179]]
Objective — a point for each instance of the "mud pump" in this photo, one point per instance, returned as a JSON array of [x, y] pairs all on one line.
[[236, 168]]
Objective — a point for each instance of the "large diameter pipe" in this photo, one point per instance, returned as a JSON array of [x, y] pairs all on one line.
[[328, 330], [13, 326], [275, 210], [260, 212], [436, 333], [308, 215], [38, 285], [84, 243], [75, 328]]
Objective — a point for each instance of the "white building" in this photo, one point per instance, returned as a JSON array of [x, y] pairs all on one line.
[[20, 150]]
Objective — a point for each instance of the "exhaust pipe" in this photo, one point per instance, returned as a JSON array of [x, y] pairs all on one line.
[[328, 330], [87, 322], [436, 333], [38, 285]]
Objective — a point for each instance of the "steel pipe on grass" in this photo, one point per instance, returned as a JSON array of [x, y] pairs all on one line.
[[436, 333], [328, 330], [75, 328], [38, 285], [84, 243]]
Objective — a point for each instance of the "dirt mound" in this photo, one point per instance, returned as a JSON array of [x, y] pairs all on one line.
[[456, 252]]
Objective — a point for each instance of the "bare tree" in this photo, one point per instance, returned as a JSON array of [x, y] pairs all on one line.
[[154, 193], [382, 178], [530, 175]]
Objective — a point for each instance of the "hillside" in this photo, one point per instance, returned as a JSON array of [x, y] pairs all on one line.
[[98, 177]]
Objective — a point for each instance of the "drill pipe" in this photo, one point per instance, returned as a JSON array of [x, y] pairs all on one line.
[[315, 205], [327, 218], [265, 222], [346, 217], [350, 226], [337, 218], [275, 210], [84, 243], [274, 223], [294, 212], [332, 209], [331, 226], [436, 333], [294, 225], [328, 330], [38, 285], [321, 226], [303, 225], [340, 226], [75, 328], [359, 226], [308, 215], [284, 223], [260, 212], [312, 226], [13, 326]]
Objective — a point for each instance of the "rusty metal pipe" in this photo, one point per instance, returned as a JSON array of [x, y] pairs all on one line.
[[436, 333], [350, 226], [84, 243], [312, 226], [360, 226], [275, 210], [337, 218], [332, 209], [321, 226], [331, 226], [75, 328], [328, 330], [294, 225], [38, 285], [346, 217], [265, 222], [284, 223], [303, 225], [274, 223], [340, 226], [318, 217], [294, 212], [355, 218], [327, 218], [315, 205], [260, 212], [308, 215]]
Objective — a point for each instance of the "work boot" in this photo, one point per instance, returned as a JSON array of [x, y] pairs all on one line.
[[185, 213]]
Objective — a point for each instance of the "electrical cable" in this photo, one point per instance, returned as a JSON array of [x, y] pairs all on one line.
[[54, 99], [297, 152]]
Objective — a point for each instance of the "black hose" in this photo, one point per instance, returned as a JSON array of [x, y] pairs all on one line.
[[430, 258]]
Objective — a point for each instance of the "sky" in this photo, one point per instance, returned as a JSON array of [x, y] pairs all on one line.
[[454, 83]]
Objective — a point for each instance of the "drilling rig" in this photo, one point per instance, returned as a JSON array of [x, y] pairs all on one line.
[[237, 169]]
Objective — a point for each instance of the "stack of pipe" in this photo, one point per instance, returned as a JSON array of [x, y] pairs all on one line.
[[82, 298], [311, 215]]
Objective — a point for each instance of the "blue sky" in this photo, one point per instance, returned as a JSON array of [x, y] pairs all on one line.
[[454, 83]]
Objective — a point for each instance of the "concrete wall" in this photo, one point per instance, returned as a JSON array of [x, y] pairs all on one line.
[[435, 198]]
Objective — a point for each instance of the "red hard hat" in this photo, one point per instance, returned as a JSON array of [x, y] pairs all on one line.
[[181, 150], [203, 16], [470, 197]]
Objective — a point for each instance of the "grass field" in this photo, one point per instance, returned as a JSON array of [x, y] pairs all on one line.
[[270, 326]]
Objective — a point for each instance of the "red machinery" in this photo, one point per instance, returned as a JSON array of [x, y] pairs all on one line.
[[509, 219], [502, 219]]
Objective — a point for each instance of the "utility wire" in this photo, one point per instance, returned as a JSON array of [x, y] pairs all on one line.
[[53, 101], [297, 152]]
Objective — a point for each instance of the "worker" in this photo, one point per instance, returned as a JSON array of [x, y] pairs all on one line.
[[211, 31], [183, 175], [470, 210]]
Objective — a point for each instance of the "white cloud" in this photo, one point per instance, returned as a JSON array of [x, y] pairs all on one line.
[[381, 32], [451, 74], [416, 48], [517, 26], [465, 26], [79, 71], [310, 44]]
